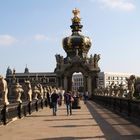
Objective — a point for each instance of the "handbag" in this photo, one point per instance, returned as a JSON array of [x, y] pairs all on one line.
[[72, 99]]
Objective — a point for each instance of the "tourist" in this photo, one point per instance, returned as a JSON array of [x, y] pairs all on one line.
[[60, 97], [86, 96], [54, 99], [68, 101]]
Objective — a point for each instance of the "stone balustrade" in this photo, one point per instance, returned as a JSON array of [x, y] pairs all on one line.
[[17, 110], [123, 106]]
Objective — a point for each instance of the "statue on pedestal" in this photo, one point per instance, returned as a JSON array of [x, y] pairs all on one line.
[[111, 91], [116, 90], [121, 90], [59, 60], [18, 90], [96, 58], [41, 91], [28, 90], [130, 84], [4, 90], [36, 92]]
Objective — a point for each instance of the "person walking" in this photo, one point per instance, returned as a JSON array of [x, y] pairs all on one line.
[[86, 96], [54, 99], [68, 101], [60, 97]]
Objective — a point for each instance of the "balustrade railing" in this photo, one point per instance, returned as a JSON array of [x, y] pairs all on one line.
[[14, 111], [124, 106]]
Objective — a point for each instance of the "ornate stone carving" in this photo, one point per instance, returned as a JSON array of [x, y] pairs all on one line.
[[111, 91], [18, 91], [28, 90], [131, 89], [96, 58], [35, 93], [121, 90], [59, 60], [4, 90], [41, 93], [116, 90]]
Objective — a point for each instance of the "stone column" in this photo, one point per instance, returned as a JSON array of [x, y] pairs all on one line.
[[69, 83], [58, 81], [89, 85], [94, 82], [85, 83], [65, 83]]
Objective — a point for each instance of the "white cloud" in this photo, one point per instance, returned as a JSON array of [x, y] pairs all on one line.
[[123, 5], [7, 40], [40, 37]]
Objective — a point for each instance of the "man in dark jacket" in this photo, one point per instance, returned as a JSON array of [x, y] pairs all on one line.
[[54, 99], [68, 102]]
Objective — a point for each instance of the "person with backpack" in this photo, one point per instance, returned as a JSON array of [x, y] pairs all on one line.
[[68, 101]]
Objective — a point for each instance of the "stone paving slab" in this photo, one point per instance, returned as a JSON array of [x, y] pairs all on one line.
[[91, 122]]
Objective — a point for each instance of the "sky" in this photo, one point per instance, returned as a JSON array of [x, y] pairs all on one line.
[[31, 33]]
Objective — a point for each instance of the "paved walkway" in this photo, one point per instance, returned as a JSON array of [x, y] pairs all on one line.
[[91, 122]]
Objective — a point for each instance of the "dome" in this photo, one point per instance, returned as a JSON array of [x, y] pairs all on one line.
[[76, 43], [26, 70]]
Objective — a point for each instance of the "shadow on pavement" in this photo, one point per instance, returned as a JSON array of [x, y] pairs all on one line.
[[76, 125], [72, 138], [68, 119], [113, 126]]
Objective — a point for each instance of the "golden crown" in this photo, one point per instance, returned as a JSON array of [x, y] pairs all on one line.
[[76, 12], [76, 17]]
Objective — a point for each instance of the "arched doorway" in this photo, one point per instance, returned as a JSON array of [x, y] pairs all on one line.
[[77, 82]]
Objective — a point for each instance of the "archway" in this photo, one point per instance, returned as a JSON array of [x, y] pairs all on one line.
[[76, 47], [77, 82]]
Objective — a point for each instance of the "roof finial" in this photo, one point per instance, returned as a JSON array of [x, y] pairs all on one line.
[[76, 12], [76, 17]]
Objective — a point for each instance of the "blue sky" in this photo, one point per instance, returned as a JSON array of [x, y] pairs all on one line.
[[31, 32]]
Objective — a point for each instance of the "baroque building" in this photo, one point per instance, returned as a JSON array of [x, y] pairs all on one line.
[[76, 47]]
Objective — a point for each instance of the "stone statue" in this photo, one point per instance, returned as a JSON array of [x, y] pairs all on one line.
[[4, 90], [91, 59], [96, 58], [121, 90], [28, 90], [111, 87], [18, 90], [116, 90], [45, 92], [106, 90], [59, 60], [36, 92], [130, 84], [41, 93]]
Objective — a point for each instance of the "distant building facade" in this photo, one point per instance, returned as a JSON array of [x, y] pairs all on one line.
[[106, 78], [43, 78], [77, 81]]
